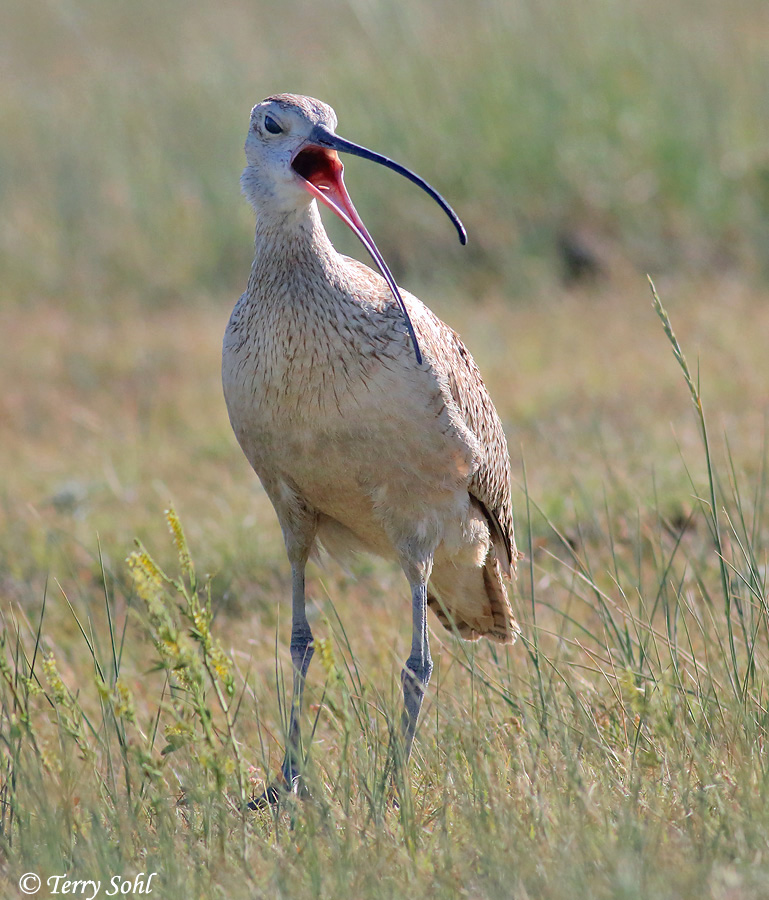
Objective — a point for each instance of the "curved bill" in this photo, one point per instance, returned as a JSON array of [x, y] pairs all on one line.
[[318, 164], [322, 137]]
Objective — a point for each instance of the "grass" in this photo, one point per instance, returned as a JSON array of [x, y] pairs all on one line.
[[619, 749]]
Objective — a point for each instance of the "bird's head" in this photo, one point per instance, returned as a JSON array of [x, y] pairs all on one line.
[[292, 155], [279, 130]]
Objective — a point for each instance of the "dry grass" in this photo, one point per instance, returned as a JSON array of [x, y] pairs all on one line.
[[575, 762], [619, 750], [113, 414]]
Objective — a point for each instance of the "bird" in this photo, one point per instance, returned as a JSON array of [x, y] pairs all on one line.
[[364, 415]]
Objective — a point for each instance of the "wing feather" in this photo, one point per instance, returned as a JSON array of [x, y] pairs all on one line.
[[490, 482]]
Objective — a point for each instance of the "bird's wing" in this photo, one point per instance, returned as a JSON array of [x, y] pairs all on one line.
[[490, 483]]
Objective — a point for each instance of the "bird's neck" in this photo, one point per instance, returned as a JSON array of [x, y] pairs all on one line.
[[289, 243], [301, 309]]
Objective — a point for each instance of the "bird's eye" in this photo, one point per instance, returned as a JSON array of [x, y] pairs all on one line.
[[271, 125]]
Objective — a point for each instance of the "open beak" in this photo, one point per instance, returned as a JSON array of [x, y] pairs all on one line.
[[319, 166]]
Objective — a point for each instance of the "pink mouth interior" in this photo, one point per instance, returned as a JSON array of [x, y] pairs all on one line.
[[320, 166]]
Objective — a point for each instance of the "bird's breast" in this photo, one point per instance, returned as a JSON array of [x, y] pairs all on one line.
[[340, 411], [299, 365]]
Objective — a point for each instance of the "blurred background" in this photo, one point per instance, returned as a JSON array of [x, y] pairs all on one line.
[[584, 144], [576, 139]]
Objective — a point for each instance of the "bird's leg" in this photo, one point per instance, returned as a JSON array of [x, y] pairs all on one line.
[[419, 665], [301, 654]]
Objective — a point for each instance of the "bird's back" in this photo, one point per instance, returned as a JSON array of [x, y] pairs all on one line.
[[471, 598]]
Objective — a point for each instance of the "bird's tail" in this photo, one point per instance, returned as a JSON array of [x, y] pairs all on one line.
[[472, 601]]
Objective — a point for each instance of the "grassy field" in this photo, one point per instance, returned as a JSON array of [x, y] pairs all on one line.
[[619, 750]]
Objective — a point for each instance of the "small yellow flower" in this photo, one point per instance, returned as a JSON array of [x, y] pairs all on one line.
[[58, 688], [102, 688], [124, 703], [327, 659], [185, 560], [148, 579]]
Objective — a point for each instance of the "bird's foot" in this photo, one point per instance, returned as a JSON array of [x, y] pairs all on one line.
[[269, 797], [287, 783]]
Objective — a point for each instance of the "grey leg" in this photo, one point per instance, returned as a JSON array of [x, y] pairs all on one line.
[[419, 665], [301, 654], [299, 523]]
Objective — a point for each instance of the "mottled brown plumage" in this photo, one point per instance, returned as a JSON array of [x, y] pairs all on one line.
[[358, 446]]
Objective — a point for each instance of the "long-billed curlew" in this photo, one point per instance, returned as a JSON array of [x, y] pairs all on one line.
[[364, 416]]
